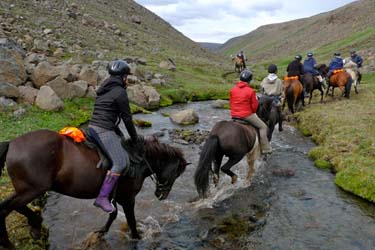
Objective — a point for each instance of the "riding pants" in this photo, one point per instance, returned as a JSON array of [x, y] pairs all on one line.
[[258, 123], [112, 144]]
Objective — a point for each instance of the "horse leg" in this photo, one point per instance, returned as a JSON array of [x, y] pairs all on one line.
[[4, 238], [226, 167], [128, 207], [111, 218], [217, 164], [311, 92], [321, 94], [34, 220]]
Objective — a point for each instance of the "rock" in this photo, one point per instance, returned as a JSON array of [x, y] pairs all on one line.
[[12, 69], [27, 94], [40, 46], [78, 88], [89, 75], [19, 113], [6, 103], [132, 79], [136, 19], [169, 65], [156, 81], [60, 87], [185, 117], [47, 99], [9, 90], [65, 71], [145, 96], [90, 92], [220, 104], [59, 52], [142, 61], [43, 73], [47, 31]]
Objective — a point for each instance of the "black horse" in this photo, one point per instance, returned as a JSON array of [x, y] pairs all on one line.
[[311, 83], [45, 160], [269, 110]]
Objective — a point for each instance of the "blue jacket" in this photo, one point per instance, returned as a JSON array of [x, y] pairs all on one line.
[[357, 59], [308, 66], [336, 63]]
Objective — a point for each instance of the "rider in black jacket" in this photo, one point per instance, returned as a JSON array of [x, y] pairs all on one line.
[[112, 106]]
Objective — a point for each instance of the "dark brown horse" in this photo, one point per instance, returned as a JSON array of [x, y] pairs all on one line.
[[233, 140], [311, 83], [340, 79], [45, 160], [269, 110], [293, 92], [238, 64]]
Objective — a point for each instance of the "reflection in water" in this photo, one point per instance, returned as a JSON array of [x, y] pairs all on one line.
[[302, 210]]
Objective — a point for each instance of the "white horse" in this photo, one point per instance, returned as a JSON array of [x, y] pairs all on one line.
[[352, 68]]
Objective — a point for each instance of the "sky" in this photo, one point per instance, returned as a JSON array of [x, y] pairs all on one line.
[[219, 20]]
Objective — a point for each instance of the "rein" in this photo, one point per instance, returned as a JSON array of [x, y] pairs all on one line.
[[154, 177]]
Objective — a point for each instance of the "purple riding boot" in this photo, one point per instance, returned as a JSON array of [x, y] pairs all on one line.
[[102, 200]]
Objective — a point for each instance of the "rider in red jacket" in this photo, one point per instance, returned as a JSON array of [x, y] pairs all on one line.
[[244, 104]]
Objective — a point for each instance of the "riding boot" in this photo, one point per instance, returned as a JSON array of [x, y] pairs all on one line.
[[102, 200]]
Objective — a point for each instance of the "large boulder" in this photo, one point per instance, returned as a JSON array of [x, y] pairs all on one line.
[[89, 75], [185, 117], [60, 87], [12, 68], [78, 88], [144, 96], [43, 73], [27, 94], [8, 90], [169, 65], [48, 100]]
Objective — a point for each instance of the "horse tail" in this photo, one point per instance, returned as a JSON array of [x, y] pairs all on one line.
[[289, 96], [205, 161], [3, 153]]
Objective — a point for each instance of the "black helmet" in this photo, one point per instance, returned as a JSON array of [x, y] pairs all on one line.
[[352, 52], [337, 54], [310, 54], [118, 68], [246, 75], [272, 68], [298, 57]]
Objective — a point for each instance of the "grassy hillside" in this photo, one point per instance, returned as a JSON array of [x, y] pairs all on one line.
[[351, 26]]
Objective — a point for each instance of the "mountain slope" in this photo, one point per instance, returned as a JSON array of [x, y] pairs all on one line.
[[351, 26]]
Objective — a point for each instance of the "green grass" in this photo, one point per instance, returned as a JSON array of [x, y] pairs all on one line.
[[345, 133]]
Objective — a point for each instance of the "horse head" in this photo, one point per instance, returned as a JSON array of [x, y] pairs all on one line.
[[166, 164], [323, 69]]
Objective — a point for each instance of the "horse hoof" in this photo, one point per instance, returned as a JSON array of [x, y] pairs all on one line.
[[136, 236], [281, 129], [234, 179]]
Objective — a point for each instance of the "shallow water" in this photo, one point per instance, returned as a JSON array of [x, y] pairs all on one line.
[[290, 204]]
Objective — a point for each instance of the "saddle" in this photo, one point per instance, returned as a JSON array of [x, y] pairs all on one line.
[[336, 71], [89, 139]]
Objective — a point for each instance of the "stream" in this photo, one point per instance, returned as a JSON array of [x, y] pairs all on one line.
[[289, 204]]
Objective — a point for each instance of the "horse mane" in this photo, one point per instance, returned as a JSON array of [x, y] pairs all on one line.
[[160, 153]]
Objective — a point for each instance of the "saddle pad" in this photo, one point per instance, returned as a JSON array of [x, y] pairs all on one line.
[[338, 71], [75, 133], [290, 78]]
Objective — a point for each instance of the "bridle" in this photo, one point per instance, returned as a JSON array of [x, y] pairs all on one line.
[[160, 186]]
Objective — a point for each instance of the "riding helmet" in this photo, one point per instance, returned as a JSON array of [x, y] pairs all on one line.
[[272, 68], [246, 75], [337, 54], [310, 54], [298, 57], [118, 68], [352, 52]]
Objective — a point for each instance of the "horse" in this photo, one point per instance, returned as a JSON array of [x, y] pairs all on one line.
[[270, 112], [352, 68], [238, 64], [293, 92], [340, 79], [44, 160], [232, 139], [311, 83]]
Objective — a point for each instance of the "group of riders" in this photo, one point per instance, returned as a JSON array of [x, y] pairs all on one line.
[[243, 101], [112, 105]]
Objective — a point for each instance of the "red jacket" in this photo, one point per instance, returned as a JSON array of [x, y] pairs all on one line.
[[243, 101]]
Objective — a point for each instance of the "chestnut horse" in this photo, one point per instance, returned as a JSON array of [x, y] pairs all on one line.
[[340, 79], [238, 64], [293, 92], [45, 160], [233, 140]]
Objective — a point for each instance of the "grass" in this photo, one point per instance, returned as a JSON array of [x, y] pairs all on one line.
[[345, 133]]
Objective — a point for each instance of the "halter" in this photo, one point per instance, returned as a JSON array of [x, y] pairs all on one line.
[[154, 178]]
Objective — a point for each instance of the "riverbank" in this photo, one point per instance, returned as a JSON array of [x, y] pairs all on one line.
[[344, 131]]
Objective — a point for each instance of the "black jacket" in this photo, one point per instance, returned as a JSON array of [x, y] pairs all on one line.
[[295, 68], [111, 105]]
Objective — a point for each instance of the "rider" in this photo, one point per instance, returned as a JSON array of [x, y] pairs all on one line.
[[112, 105], [358, 60], [295, 68], [242, 57], [273, 86], [244, 104], [335, 64], [309, 66]]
